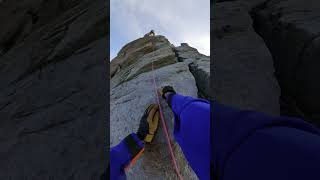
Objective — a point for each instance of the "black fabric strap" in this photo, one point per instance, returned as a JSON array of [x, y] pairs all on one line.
[[133, 146]]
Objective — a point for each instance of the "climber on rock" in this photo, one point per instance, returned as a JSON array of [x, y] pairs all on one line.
[[151, 33], [191, 131]]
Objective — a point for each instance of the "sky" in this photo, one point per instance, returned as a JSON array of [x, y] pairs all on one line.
[[181, 21]]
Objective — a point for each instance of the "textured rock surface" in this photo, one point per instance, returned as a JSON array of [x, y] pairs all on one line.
[[132, 91], [53, 89], [242, 72], [199, 66], [291, 30]]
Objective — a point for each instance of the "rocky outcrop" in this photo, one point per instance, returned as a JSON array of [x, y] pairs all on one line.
[[132, 91], [242, 69], [199, 67], [291, 30], [53, 89]]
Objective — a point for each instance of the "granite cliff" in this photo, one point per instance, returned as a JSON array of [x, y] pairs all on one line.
[[266, 56], [131, 90], [53, 89]]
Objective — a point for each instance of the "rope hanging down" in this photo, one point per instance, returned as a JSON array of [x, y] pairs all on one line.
[[173, 159]]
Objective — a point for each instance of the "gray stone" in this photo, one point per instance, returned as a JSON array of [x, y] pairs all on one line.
[[53, 91], [291, 31], [186, 52], [242, 71], [132, 91], [199, 66], [200, 69], [161, 57]]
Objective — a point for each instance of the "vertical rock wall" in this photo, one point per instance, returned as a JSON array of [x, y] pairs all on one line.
[[286, 32], [132, 91], [242, 72], [291, 30], [53, 86]]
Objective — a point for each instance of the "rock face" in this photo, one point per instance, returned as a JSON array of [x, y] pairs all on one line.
[[132, 91], [53, 89], [242, 72], [290, 31]]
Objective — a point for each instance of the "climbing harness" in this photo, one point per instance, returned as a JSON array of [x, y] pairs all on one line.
[[173, 159]]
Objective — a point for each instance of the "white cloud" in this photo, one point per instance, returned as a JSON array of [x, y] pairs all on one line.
[[179, 20]]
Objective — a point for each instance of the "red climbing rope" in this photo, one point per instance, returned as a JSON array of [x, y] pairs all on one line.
[[175, 165]]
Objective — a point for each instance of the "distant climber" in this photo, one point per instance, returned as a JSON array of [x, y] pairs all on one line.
[[243, 144], [151, 33]]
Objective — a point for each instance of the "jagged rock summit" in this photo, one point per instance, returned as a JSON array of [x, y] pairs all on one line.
[[132, 91]]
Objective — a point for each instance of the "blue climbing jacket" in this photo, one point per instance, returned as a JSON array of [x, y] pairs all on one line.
[[251, 145]]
